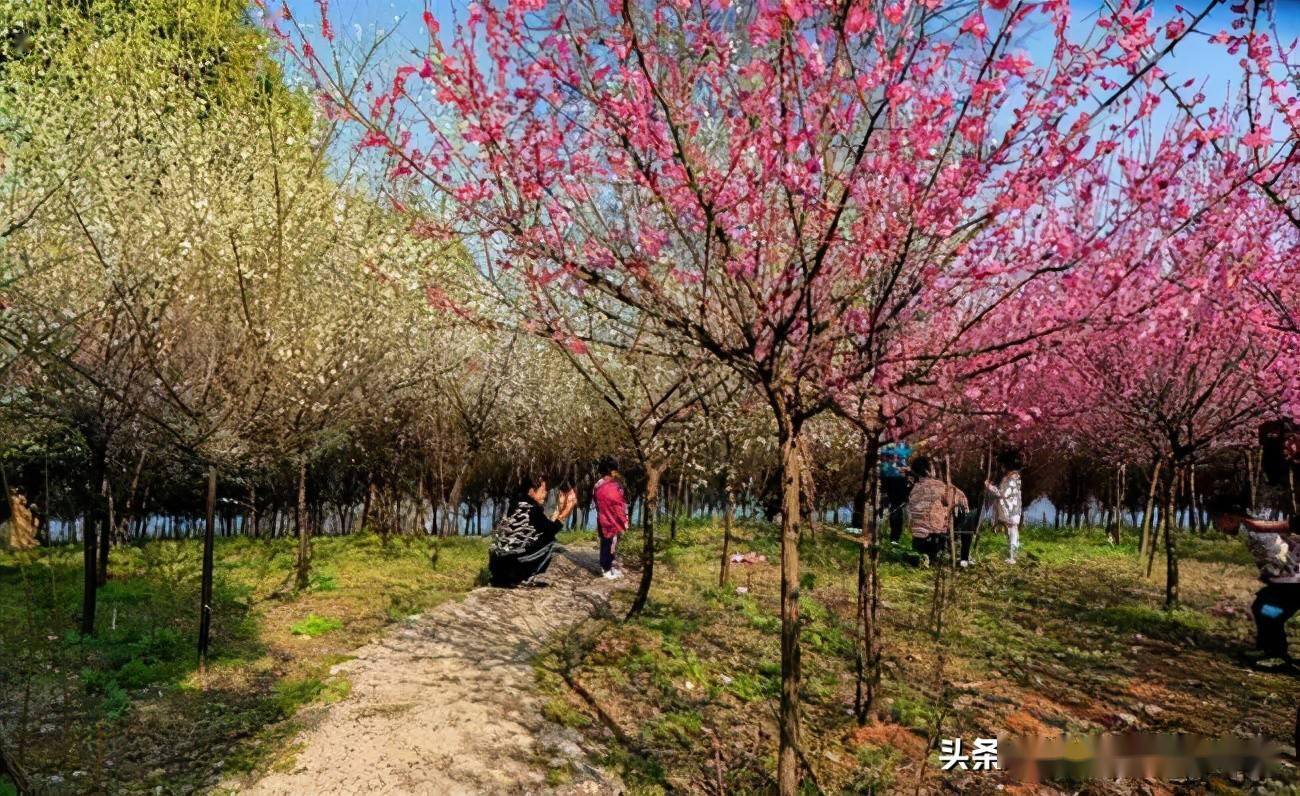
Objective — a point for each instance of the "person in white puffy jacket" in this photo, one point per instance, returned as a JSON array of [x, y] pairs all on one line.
[[1008, 506]]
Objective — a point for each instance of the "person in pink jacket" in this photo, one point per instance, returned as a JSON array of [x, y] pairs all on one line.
[[611, 515]]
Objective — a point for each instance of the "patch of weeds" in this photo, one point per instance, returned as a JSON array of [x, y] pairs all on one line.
[[138, 674], [750, 688], [558, 711], [323, 581], [643, 776], [677, 728], [293, 694], [875, 772], [1170, 625], [558, 775], [314, 626], [116, 702], [912, 713], [758, 619]]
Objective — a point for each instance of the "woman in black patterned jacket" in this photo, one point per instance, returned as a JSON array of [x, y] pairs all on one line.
[[524, 541]]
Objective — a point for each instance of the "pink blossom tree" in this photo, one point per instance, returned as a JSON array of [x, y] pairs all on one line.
[[818, 196]]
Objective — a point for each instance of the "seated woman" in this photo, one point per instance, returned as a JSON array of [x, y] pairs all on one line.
[[930, 506], [524, 541]]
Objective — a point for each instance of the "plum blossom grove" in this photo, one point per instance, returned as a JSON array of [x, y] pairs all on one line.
[[832, 198], [345, 299]]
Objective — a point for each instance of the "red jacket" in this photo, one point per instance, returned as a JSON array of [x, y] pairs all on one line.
[[611, 508]]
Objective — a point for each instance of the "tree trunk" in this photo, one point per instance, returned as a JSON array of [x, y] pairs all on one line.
[[1193, 501], [89, 538], [1147, 525], [9, 765], [304, 532], [1250, 482], [1171, 546], [452, 514], [105, 532], [725, 570], [675, 506], [367, 502], [205, 580], [648, 509], [806, 486], [1118, 512], [132, 507], [868, 563], [789, 748], [253, 517]]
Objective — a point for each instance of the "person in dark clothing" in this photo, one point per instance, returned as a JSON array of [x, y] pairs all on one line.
[[931, 506], [1274, 544], [524, 541], [895, 485]]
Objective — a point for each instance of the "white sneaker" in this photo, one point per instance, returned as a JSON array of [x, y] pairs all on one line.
[[609, 574], [617, 573], [963, 564]]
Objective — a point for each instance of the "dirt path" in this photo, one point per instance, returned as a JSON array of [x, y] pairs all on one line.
[[445, 704]]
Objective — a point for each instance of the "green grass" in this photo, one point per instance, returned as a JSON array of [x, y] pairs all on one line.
[[1069, 637], [314, 626], [137, 678]]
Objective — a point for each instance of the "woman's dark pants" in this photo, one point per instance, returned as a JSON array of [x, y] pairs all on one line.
[[1274, 605]]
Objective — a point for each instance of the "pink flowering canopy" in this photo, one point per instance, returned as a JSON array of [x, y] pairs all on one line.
[[821, 195]]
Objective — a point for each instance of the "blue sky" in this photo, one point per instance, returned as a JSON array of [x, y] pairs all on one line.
[[1195, 56]]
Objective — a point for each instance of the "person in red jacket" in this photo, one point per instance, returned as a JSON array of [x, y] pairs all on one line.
[[611, 515]]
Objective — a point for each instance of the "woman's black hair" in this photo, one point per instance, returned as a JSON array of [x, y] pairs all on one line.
[[1226, 503], [531, 481], [606, 465], [1010, 460], [921, 466], [1272, 443]]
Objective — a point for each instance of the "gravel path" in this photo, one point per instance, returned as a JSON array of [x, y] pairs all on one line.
[[446, 703]]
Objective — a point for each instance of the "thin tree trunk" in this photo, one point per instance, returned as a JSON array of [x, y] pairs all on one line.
[[132, 506], [789, 721], [452, 516], [1117, 511], [675, 505], [806, 486], [649, 507], [9, 765], [105, 532], [254, 518], [89, 537], [1171, 547], [1250, 480], [866, 657], [367, 501], [205, 582], [304, 532], [1193, 501], [1144, 545], [725, 570]]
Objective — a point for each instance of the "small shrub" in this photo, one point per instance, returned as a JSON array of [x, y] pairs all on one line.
[[116, 702], [562, 713], [314, 626], [323, 581], [681, 729]]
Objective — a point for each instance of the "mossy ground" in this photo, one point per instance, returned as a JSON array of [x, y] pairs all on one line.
[[128, 710], [1073, 638]]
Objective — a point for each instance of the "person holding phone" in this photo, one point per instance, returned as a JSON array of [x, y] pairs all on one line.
[[523, 543]]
